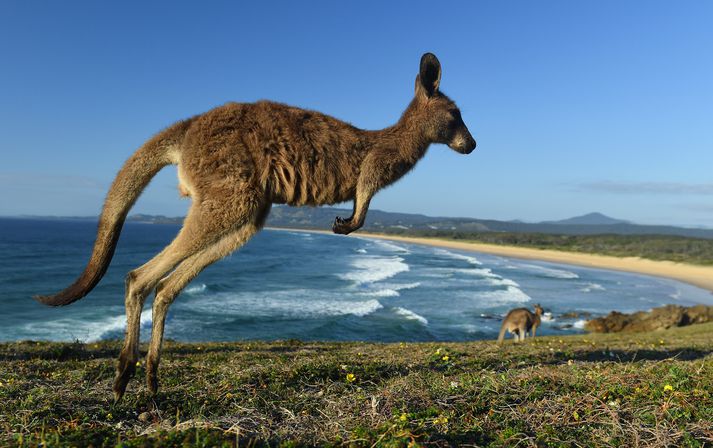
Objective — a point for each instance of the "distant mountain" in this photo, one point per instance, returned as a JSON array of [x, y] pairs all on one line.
[[381, 221], [590, 219]]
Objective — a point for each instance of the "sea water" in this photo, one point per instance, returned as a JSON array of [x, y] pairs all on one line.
[[309, 286]]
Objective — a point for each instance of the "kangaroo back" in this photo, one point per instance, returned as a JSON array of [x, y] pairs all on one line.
[[136, 173]]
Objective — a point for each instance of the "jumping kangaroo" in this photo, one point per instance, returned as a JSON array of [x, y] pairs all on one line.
[[235, 161], [519, 321]]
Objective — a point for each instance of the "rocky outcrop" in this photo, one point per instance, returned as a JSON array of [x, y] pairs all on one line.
[[657, 319]]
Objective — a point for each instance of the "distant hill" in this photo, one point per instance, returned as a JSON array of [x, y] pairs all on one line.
[[590, 219], [381, 221]]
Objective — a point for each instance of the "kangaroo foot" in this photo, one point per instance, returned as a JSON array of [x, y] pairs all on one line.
[[124, 372], [343, 226]]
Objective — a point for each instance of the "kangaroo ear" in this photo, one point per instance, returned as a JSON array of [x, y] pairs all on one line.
[[429, 76]]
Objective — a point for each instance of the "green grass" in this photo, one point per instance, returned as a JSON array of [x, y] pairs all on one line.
[[654, 247], [588, 390]]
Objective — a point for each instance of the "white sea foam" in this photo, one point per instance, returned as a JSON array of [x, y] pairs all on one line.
[[480, 272], [410, 315], [391, 247], [299, 303], [118, 323], [402, 286], [388, 292], [84, 330], [196, 289], [547, 317], [500, 282], [579, 324], [676, 295], [370, 269], [386, 245], [360, 251], [446, 253], [593, 287], [439, 272], [507, 296], [549, 272]]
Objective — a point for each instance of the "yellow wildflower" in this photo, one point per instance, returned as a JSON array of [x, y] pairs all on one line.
[[445, 358], [351, 377], [438, 352], [403, 417], [440, 420], [668, 388]]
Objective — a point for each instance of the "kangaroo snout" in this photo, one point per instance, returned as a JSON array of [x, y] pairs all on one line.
[[464, 144]]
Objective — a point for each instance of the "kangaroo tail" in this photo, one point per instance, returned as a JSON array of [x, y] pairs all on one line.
[[501, 336], [134, 176]]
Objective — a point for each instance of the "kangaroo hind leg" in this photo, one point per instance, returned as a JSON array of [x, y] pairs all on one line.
[[139, 283], [170, 286], [203, 227]]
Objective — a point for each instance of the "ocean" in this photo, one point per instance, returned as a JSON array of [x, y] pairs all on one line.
[[309, 286]]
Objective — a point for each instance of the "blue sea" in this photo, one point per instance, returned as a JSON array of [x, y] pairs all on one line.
[[309, 286]]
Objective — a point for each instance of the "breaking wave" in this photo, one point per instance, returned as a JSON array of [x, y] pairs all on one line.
[[548, 272], [371, 269], [410, 315]]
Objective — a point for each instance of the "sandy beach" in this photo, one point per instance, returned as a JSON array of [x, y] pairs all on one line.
[[700, 276]]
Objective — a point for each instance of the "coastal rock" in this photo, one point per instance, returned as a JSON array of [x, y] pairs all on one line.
[[575, 314], [657, 319]]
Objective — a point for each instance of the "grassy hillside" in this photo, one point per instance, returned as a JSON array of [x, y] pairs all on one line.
[[653, 247], [651, 389]]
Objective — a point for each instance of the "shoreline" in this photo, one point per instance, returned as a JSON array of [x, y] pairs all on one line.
[[699, 276]]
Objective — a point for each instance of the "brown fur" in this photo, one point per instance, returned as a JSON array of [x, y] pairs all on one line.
[[519, 321], [234, 162]]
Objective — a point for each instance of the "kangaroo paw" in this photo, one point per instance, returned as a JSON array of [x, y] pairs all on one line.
[[342, 226], [124, 372]]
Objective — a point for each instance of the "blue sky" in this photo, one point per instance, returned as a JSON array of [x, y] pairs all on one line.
[[576, 106]]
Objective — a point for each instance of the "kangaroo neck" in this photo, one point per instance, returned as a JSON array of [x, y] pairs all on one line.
[[404, 141]]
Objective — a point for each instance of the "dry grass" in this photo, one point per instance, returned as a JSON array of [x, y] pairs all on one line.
[[644, 390]]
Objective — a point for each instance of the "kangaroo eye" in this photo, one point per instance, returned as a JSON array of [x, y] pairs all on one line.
[[456, 114]]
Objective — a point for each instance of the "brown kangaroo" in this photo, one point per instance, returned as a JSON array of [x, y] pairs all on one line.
[[235, 161], [519, 321]]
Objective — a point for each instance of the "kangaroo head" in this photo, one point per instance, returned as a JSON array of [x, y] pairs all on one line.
[[538, 309], [442, 122]]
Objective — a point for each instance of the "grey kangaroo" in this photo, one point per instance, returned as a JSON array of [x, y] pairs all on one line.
[[234, 162], [519, 321]]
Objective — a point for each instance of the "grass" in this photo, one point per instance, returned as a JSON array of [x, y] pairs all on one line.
[[651, 389]]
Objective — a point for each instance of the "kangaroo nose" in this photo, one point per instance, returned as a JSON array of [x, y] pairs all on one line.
[[470, 145]]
